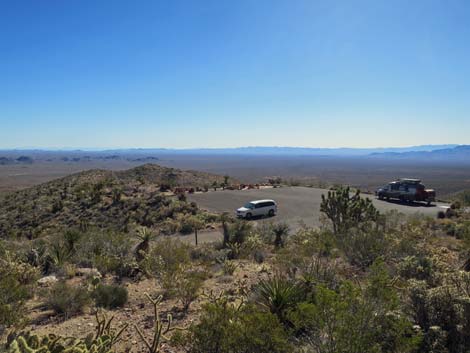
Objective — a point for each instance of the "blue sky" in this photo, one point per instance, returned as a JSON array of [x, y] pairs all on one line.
[[234, 73]]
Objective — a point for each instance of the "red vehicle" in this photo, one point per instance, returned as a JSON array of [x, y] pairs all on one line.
[[408, 190]]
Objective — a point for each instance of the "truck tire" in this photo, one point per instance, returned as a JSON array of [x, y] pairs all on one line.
[[271, 213], [248, 215]]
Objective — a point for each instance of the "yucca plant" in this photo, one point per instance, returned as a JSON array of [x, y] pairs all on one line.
[[145, 235], [278, 294]]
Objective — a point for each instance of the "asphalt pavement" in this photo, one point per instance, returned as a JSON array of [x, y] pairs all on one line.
[[296, 205]]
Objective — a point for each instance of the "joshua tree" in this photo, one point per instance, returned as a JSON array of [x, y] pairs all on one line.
[[346, 211], [196, 224]]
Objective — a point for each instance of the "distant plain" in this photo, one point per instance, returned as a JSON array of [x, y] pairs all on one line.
[[361, 172]]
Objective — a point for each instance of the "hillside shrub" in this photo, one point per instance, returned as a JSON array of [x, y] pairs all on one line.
[[67, 299], [362, 246], [185, 286], [110, 296], [17, 284], [226, 328], [417, 267], [442, 312], [346, 321]]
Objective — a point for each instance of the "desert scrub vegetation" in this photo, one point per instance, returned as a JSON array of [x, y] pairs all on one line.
[[17, 282], [66, 299], [101, 199], [363, 282], [110, 296]]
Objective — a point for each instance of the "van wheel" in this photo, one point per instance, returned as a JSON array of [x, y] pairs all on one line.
[[271, 213], [248, 216]]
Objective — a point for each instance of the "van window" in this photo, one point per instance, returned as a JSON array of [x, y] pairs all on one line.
[[249, 205]]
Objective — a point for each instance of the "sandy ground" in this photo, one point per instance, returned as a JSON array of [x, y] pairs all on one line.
[[296, 206]]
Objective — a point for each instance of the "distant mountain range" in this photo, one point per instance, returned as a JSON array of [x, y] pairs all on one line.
[[428, 151], [283, 151], [457, 153]]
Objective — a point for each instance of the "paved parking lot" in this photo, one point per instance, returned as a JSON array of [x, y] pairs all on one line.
[[295, 204]]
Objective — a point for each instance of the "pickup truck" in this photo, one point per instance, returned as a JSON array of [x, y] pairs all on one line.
[[407, 190]]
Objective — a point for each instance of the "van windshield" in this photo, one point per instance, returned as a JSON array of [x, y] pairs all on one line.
[[249, 205]]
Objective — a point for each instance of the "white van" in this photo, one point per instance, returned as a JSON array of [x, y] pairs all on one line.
[[257, 208]]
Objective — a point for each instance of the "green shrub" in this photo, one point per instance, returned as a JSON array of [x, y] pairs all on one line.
[[417, 267], [166, 257], [229, 267], [186, 226], [362, 246], [17, 283], [348, 321], [110, 296], [239, 231], [105, 250], [442, 312], [186, 285], [225, 328], [67, 299]]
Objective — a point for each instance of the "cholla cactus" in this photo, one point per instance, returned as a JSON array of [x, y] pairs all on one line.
[[159, 330], [100, 342]]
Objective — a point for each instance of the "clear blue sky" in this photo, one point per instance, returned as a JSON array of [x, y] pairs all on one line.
[[228, 73]]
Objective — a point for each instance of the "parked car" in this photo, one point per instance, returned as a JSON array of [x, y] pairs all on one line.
[[257, 208], [407, 190]]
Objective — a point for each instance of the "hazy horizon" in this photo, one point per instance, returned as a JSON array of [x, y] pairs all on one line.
[[58, 149]]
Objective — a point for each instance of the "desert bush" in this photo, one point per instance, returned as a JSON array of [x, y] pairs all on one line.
[[107, 251], [229, 267], [166, 257], [252, 247], [185, 225], [346, 321], [362, 246], [463, 198], [67, 299], [186, 285], [442, 313], [315, 271], [110, 296], [417, 267], [238, 231], [312, 242], [226, 328], [17, 284]]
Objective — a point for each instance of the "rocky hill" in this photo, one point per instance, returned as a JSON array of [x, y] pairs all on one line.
[[102, 199]]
